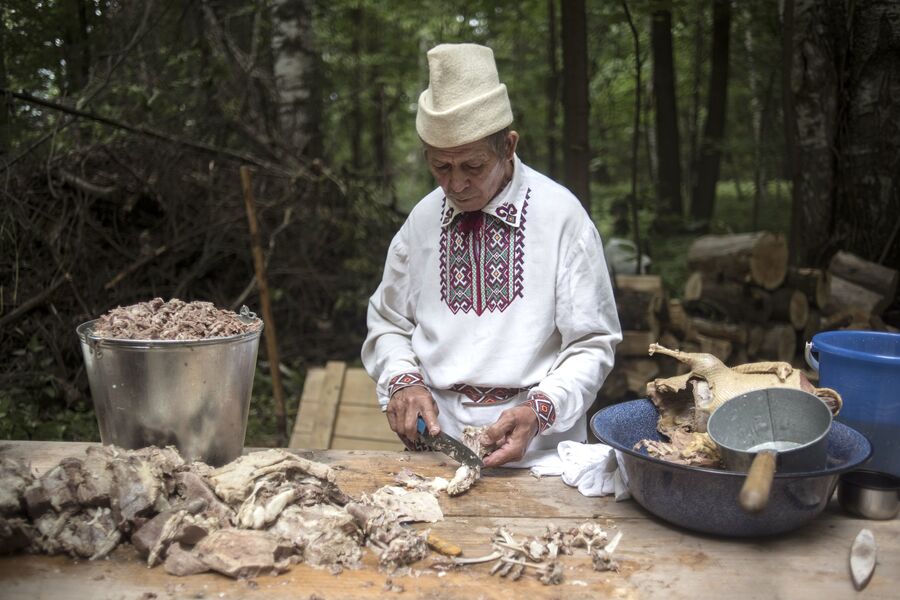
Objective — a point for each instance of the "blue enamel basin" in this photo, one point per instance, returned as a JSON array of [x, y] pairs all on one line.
[[706, 500]]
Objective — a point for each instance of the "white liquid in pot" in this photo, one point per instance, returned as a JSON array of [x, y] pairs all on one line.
[[776, 446]]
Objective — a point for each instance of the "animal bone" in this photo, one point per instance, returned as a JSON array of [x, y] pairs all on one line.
[[862, 558]]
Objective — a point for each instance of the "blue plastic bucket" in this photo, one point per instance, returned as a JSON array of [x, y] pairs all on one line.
[[864, 367]]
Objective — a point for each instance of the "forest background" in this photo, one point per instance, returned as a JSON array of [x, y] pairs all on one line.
[[124, 125]]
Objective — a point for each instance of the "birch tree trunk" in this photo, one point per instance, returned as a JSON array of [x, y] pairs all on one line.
[[296, 69]]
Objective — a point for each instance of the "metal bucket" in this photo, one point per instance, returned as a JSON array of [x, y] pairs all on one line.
[[192, 394]]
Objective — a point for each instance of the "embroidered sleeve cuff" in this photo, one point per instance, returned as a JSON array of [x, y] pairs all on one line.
[[543, 407], [404, 380]]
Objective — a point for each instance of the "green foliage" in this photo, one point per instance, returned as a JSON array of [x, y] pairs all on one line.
[[171, 69], [169, 66], [262, 420], [30, 407]]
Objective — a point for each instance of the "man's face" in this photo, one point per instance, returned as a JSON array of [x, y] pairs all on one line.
[[471, 174]]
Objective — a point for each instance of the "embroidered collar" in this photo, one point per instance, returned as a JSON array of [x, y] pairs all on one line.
[[507, 206]]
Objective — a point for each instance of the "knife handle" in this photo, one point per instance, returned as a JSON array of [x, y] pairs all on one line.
[[420, 426]]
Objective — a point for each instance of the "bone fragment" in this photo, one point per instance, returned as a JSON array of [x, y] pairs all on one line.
[[862, 558]]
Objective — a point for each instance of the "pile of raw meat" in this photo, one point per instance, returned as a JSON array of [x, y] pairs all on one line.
[[172, 320], [255, 515]]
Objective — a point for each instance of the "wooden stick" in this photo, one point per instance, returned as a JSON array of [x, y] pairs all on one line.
[[33, 302], [141, 262], [262, 285], [210, 149]]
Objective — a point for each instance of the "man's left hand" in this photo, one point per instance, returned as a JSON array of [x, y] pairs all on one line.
[[512, 433]]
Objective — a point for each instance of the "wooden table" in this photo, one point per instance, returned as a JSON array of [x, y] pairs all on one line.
[[657, 559]]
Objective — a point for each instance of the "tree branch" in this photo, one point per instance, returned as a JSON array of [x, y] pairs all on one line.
[[233, 154], [33, 302]]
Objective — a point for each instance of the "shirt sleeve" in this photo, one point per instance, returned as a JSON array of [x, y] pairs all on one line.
[[387, 351], [589, 327]]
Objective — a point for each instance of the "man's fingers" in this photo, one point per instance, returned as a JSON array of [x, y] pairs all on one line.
[[511, 434], [497, 432], [429, 414], [392, 419], [504, 454], [404, 409], [409, 423]]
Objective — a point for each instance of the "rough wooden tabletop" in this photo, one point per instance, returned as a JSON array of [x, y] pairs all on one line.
[[657, 559]]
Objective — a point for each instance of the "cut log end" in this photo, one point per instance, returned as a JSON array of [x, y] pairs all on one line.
[[760, 257], [790, 305], [768, 261]]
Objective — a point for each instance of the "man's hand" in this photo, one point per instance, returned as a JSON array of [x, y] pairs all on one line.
[[404, 408], [512, 433]]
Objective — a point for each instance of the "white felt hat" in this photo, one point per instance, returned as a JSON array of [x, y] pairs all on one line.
[[465, 100]]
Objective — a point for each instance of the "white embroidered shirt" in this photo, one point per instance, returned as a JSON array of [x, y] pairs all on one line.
[[514, 303]]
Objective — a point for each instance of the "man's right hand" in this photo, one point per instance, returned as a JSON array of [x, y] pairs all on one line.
[[404, 408]]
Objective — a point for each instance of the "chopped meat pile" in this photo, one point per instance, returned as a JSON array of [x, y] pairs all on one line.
[[172, 320], [255, 515]]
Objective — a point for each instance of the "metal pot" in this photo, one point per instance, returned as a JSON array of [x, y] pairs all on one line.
[[870, 494], [766, 430], [192, 394]]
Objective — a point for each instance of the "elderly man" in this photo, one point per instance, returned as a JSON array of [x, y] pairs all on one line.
[[495, 307]]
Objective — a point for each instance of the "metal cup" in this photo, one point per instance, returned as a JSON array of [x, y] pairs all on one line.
[[870, 494]]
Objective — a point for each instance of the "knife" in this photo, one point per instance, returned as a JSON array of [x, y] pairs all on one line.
[[449, 446]]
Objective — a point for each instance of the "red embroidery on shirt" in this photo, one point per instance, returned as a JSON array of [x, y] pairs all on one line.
[[486, 395], [542, 406], [404, 380], [482, 261]]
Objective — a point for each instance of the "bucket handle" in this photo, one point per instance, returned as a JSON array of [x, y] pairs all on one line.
[[807, 354]]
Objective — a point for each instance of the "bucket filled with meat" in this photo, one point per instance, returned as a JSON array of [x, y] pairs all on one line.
[[173, 373]]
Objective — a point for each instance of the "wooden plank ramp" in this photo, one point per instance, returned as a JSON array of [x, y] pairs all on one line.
[[339, 409]]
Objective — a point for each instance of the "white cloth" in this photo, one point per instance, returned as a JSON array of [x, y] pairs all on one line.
[[525, 304], [592, 468]]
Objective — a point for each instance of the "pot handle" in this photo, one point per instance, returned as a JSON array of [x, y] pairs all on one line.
[[807, 353], [755, 492]]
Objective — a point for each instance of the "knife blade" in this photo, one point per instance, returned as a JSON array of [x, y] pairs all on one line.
[[448, 445]]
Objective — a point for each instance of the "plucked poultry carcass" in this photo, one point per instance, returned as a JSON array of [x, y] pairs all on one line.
[[686, 401]]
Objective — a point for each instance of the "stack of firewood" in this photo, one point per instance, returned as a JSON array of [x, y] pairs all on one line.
[[742, 303], [860, 291]]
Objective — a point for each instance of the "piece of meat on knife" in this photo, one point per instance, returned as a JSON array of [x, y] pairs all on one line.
[[467, 475]]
